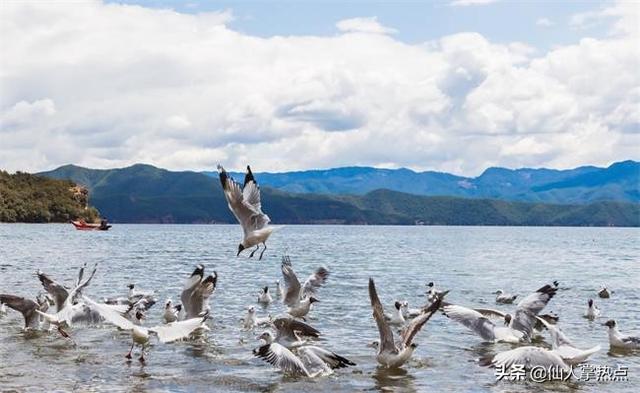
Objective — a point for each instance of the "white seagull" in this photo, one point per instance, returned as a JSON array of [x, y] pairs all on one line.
[[618, 340], [504, 298], [196, 292], [171, 312], [265, 297], [26, 307], [482, 325], [299, 299], [251, 320], [245, 204], [529, 357], [592, 310], [293, 333], [563, 347], [396, 317], [308, 361], [394, 354], [166, 333]]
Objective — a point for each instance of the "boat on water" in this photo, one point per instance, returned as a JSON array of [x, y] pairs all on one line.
[[82, 225]]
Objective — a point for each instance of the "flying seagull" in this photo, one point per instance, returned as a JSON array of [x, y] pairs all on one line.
[[26, 307], [393, 354], [245, 204], [298, 298], [196, 292]]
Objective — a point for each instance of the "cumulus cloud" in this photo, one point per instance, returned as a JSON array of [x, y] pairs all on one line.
[[364, 25], [106, 85]]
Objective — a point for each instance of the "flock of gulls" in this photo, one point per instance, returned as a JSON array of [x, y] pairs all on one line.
[[289, 342]]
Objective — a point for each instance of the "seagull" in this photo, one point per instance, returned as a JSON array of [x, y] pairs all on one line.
[[563, 347], [251, 320], [308, 361], [171, 312], [299, 299], [529, 357], [265, 296], [58, 292], [246, 206], [592, 310], [617, 340], [135, 295], [289, 332], [392, 354], [166, 333], [504, 298], [482, 326], [432, 292], [279, 289], [196, 292], [26, 307], [604, 292], [407, 312], [70, 308], [524, 319], [396, 317]]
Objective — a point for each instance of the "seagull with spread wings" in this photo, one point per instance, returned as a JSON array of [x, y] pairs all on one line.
[[245, 204], [196, 292], [392, 354], [141, 335], [299, 298]]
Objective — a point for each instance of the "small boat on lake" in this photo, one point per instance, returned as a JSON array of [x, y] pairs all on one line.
[[82, 225]]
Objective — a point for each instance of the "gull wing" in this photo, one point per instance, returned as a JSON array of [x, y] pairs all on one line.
[[287, 327], [81, 274], [109, 314], [282, 358], [177, 330], [529, 357], [200, 295], [24, 306], [386, 335], [67, 312], [525, 316], [557, 336], [190, 285], [332, 359], [243, 212], [490, 312], [292, 292], [410, 331], [575, 356], [315, 281], [472, 320], [55, 289]]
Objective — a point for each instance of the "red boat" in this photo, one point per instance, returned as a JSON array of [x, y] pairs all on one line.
[[82, 225]]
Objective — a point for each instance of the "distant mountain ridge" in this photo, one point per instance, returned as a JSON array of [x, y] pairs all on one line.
[[618, 182], [145, 194]]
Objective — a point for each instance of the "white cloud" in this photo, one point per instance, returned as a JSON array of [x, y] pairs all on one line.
[[624, 14], [187, 92], [544, 22], [465, 3], [364, 25]]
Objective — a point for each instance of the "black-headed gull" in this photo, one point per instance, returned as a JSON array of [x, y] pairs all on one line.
[[299, 298], [171, 313], [166, 333], [245, 204], [265, 297], [618, 340], [293, 333], [592, 310], [396, 317], [251, 319], [308, 360], [196, 292], [26, 307], [504, 298], [390, 353], [529, 357]]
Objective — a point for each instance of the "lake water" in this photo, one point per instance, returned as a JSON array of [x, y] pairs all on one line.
[[471, 261]]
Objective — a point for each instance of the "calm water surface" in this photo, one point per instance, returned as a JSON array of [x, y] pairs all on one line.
[[471, 261]]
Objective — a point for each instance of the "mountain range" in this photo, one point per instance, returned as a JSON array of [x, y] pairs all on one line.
[[618, 182], [143, 193]]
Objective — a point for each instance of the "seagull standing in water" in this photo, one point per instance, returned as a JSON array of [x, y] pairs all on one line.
[[393, 354], [265, 297], [171, 312], [245, 204]]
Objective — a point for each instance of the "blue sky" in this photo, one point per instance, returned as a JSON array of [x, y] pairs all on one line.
[[415, 21], [455, 86]]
